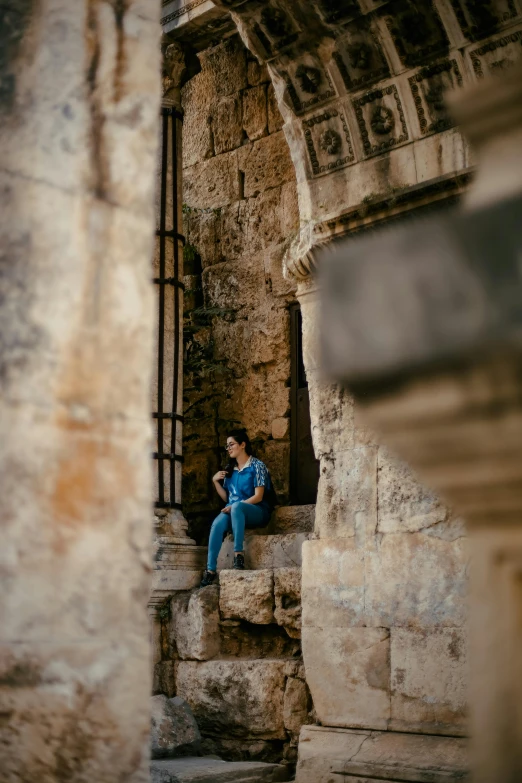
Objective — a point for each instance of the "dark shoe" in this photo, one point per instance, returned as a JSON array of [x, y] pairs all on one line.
[[208, 578], [239, 562]]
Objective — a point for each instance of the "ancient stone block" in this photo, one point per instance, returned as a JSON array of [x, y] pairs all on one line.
[[386, 756], [164, 680], [296, 705], [255, 112], [275, 120], [429, 680], [241, 639], [287, 594], [333, 586], [289, 209], [227, 126], [197, 99], [174, 732], [203, 232], [212, 183], [266, 551], [247, 595], [331, 413], [404, 504], [427, 589], [292, 519], [232, 285], [194, 623], [265, 164], [348, 673], [347, 497], [226, 64], [256, 73], [212, 769], [235, 698], [280, 428]]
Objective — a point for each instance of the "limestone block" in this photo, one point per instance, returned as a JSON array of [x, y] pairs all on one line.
[[233, 286], [247, 595], [404, 504], [266, 551], [212, 770], [262, 216], [197, 98], [429, 680], [287, 594], [254, 112], [227, 127], [275, 121], [416, 580], [331, 415], [194, 624], [212, 183], [227, 67], [280, 428], [292, 519], [174, 732], [385, 756], [203, 232], [347, 495], [289, 209], [266, 164], [333, 586], [348, 673], [164, 679], [295, 705], [240, 639], [235, 698], [256, 73], [273, 263]]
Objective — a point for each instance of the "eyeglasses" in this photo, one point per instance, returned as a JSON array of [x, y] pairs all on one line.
[[230, 446]]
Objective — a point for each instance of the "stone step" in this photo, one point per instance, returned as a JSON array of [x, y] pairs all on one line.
[[210, 769], [290, 519], [265, 551]]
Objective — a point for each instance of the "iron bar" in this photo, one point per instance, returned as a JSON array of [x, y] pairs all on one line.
[[168, 495]]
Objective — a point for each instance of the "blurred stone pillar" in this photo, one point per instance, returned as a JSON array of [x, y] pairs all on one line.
[[177, 560], [80, 89]]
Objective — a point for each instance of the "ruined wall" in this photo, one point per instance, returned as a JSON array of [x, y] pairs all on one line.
[[240, 210]]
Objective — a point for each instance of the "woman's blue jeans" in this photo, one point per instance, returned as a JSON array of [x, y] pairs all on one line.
[[241, 515]]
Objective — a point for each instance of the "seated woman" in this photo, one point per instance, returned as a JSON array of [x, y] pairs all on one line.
[[247, 491]]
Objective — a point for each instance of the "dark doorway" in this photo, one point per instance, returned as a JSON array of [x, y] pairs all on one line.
[[304, 468]]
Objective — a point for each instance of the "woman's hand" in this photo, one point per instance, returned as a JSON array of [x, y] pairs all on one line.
[[227, 509], [220, 475]]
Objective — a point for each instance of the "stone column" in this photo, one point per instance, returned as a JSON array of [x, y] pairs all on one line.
[[79, 100], [178, 561]]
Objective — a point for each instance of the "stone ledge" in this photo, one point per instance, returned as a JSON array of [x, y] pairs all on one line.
[[210, 769], [265, 551], [387, 756]]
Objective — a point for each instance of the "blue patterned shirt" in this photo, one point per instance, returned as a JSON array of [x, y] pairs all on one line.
[[242, 484]]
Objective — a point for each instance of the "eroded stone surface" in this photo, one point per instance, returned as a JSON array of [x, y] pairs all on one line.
[[287, 594], [174, 732], [213, 770], [247, 595], [266, 551], [235, 698], [194, 625]]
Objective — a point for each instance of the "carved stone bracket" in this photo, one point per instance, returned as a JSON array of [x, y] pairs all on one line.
[[174, 68]]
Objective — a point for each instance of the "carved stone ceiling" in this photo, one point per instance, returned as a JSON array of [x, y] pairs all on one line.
[[361, 85]]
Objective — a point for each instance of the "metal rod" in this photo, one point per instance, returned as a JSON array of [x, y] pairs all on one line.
[[177, 294], [161, 303]]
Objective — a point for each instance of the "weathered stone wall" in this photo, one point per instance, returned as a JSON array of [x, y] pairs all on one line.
[[79, 98], [240, 208], [384, 587]]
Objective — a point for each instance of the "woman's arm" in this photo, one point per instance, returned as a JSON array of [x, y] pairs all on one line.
[[220, 475], [257, 497]]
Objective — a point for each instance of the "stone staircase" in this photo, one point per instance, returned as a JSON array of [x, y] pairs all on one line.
[[233, 652]]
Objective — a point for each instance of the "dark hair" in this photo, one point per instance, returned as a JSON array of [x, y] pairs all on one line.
[[240, 436]]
